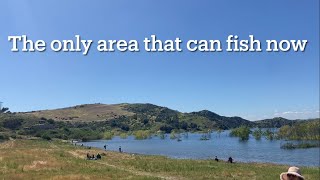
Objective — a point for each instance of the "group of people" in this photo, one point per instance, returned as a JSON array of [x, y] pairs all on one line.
[[92, 157], [230, 160], [292, 174], [98, 156]]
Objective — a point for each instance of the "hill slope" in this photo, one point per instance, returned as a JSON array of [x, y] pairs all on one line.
[[91, 121], [85, 112], [142, 116], [150, 116], [276, 122]]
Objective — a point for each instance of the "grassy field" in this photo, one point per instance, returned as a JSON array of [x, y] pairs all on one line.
[[39, 159]]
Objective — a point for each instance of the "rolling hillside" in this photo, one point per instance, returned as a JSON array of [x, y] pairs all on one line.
[[145, 115], [150, 116], [91, 121], [85, 112]]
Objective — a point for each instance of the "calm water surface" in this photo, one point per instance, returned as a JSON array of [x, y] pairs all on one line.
[[222, 145]]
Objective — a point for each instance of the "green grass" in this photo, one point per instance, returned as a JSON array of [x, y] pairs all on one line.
[[39, 159], [208, 169]]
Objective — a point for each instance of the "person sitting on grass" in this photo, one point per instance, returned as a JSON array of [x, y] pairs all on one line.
[[98, 156], [292, 174], [216, 159], [230, 160]]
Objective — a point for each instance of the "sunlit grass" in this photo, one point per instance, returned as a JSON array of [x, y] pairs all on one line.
[[38, 159]]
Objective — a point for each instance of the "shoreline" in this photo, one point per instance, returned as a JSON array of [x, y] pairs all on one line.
[[39, 159], [236, 160]]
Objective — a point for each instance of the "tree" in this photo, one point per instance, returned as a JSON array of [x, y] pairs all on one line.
[[257, 134], [166, 128], [284, 132], [242, 132], [4, 110], [269, 134], [184, 125], [304, 130], [12, 124]]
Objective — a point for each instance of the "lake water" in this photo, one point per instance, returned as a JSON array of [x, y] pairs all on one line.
[[222, 145]]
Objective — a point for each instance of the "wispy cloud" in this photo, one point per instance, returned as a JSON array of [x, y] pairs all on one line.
[[298, 114]]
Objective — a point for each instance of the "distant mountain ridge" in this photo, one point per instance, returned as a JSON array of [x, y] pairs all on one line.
[[225, 122], [276, 122], [150, 116]]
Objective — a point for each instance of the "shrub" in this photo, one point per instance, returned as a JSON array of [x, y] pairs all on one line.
[[4, 137], [46, 137], [123, 135], [166, 129], [242, 132], [108, 135], [257, 134], [142, 134], [12, 124]]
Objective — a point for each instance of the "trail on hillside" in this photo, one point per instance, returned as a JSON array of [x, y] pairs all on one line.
[[133, 171]]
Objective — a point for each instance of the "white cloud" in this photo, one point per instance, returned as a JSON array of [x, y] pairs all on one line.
[[294, 112], [305, 114]]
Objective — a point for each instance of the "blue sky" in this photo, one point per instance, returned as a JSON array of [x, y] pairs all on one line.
[[250, 85]]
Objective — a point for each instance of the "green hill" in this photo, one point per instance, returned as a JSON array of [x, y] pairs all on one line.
[[150, 116], [91, 121], [276, 122]]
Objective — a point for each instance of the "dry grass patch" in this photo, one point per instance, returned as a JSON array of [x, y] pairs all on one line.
[[37, 159]]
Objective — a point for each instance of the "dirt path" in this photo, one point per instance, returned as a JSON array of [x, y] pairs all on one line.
[[133, 171]]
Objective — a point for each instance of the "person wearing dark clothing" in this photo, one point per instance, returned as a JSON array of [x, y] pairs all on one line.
[[98, 156], [230, 160], [105, 147], [120, 150], [88, 156], [216, 159]]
